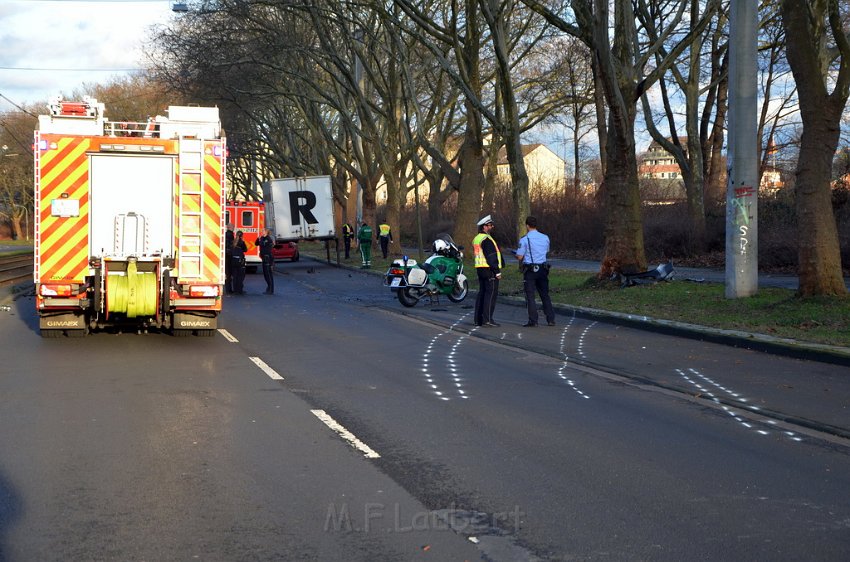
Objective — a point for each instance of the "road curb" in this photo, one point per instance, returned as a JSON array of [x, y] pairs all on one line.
[[749, 340], [736, 338]]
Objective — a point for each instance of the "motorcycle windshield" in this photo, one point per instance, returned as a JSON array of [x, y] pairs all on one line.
[[445, 238]]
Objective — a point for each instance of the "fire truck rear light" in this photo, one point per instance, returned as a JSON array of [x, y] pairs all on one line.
[[42, 145], [217, 150], [56, 290], [203, 290]]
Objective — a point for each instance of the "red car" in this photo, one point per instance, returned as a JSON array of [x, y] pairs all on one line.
[[285, 251]]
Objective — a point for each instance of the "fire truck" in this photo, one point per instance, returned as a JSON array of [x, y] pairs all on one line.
[[250, 218], [129, 220]]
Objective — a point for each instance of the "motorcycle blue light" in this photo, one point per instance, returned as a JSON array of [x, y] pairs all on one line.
[[405, 258]]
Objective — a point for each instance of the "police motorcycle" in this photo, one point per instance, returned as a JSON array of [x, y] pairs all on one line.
[[440, 274]]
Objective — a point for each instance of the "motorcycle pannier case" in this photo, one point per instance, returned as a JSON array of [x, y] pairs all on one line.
[[417, 278]]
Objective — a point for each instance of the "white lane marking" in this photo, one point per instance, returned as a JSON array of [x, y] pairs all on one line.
[[367, 451], [227, 335], [266, 369]]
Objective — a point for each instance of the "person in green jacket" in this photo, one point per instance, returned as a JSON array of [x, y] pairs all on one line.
[[364, 242]]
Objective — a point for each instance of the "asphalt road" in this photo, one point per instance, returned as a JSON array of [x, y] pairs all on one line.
[[581, 441]]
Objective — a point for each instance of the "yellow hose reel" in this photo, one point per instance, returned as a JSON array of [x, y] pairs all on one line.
[[133, 294]]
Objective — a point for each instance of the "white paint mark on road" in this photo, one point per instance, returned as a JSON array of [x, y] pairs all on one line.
[[227, 335], [266, 369], [367, 451], [451, 367], [561, 371], [731, 393]]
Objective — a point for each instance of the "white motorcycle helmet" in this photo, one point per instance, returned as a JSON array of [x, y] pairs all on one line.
[[440, 246]]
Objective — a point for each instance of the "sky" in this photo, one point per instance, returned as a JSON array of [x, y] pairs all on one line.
[[48, 47]]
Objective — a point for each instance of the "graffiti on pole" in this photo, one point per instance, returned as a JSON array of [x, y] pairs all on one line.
[[741, 210]]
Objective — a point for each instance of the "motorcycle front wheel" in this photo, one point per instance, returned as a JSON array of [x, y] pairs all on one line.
[[405, 298], [459, 292]]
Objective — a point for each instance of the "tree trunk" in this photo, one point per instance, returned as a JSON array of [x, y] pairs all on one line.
[[491, 176], [818, 250], [394, 206], [624, 248], [471, 157], [577, 166], [471, 161], [370, 204], [715, 185], [817, 236], [601, 127]]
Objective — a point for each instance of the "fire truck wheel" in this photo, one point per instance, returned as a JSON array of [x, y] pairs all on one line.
[[51, 333], [181, 333], [205, 333]]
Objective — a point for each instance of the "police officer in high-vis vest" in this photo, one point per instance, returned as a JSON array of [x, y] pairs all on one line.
[[385, 237], [488, 266]]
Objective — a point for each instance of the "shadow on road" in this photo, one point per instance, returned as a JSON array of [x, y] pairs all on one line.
[[10, 511]]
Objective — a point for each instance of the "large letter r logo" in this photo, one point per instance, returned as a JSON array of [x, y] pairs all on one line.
[[300, 203]]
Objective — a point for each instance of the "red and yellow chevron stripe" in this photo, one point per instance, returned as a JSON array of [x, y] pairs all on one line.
[[64, 241], [213, 205]]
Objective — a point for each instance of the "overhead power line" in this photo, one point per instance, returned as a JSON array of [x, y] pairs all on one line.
[[18, 106], [32, 68]]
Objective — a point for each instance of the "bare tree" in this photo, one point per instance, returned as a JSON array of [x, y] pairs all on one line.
[[621, 66], [16, 169], [581, 109], [818, 51], [779, 94], [687, 77]]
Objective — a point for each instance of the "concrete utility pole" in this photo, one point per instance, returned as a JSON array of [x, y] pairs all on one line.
[[742, 156], [359, 79]]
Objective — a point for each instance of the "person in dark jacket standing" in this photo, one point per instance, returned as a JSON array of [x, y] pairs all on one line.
[[265, 243], [385, 237], [488, 266], [228, 258], [347, 237], [532, 256], [239, 249]]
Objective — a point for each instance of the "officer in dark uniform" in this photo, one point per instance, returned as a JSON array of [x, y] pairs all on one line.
[[228, 258], [239, 250], [347, 237], [265, 243]]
